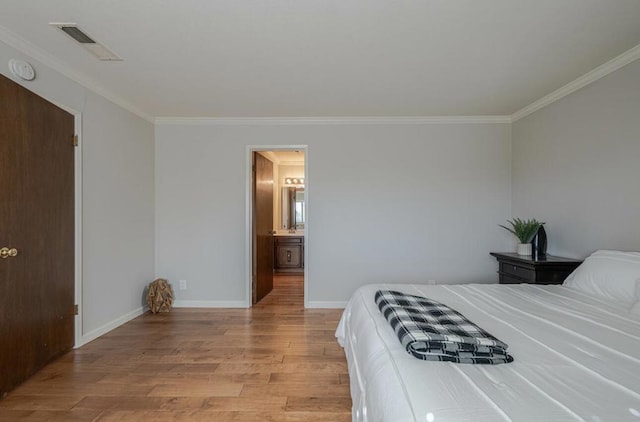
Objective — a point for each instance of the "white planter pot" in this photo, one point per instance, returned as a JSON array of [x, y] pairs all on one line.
[[524, 249]]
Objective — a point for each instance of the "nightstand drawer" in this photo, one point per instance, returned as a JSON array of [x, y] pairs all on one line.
[[524, 274], [552, 277]]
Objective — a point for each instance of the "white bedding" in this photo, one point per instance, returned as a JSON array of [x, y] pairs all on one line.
[[577, 357]]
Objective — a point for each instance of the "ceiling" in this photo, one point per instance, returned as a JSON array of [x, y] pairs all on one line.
[[320, 58], [289, 157], [285, 157]]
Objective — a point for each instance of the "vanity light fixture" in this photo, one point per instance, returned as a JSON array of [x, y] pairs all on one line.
[[294, 181]]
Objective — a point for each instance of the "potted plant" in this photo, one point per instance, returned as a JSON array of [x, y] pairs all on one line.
[[525, 231]]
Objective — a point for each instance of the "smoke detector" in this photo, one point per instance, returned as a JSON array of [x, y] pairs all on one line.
[[81, 37], [22, 70]]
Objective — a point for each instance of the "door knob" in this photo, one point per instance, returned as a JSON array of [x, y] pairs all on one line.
[[8, 253]]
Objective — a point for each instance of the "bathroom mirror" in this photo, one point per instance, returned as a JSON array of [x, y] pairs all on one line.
[[293, 212]]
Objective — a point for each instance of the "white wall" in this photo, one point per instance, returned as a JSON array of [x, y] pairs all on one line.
[[576, 165], [117, 198], [289, 171], [387, 203], [118, 211]]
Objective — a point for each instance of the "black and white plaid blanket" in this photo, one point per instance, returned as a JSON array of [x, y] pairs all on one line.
[[430, 330]]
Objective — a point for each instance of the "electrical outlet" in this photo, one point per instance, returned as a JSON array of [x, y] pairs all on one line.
[[183, 284]]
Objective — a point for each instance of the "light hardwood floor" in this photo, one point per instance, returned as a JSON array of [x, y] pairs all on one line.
[[274, 362]]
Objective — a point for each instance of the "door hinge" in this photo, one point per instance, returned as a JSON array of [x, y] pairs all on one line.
[[75, 309], [75, 140]]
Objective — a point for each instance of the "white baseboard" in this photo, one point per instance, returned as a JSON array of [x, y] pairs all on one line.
[[100, 331], [326, 305], [209, 304]]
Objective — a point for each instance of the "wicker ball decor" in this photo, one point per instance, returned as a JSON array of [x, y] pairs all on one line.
[[159, 296]]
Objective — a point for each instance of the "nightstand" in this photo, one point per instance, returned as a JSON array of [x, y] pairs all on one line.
[[514, 268]]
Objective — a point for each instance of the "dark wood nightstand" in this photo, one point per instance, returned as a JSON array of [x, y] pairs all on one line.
[[514, 268]]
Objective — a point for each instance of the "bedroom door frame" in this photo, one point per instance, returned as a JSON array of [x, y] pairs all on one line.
[[77, 323], [78, 226], [249, 214]]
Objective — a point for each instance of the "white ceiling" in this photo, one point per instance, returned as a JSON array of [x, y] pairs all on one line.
[[289, 158], [319, 58]]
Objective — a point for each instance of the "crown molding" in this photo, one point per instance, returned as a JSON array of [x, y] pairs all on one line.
[[20, 44], [611, 66], [371, 120]]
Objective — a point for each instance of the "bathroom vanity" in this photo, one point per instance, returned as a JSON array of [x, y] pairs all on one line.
[[289, 253]]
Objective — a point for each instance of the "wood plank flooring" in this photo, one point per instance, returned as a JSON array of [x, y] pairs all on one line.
[[274, 362]]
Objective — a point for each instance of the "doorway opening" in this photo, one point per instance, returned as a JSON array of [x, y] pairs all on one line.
[[277, 222]]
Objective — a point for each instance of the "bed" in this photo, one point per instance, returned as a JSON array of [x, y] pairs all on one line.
[[576, 351]]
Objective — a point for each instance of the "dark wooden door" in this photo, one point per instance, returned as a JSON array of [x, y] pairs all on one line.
[[37, 219], [262, 227]]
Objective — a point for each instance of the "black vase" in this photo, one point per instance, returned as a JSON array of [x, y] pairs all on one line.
[[539, 244]]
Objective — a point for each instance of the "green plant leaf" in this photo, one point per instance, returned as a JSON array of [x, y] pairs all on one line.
[[524, 230]]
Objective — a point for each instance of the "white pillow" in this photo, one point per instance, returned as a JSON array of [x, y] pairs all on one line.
[[611, 275]]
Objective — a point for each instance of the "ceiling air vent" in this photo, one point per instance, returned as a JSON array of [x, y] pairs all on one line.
[[95, 48]]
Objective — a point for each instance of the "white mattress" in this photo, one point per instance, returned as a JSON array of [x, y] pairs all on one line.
[[576, 358]]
